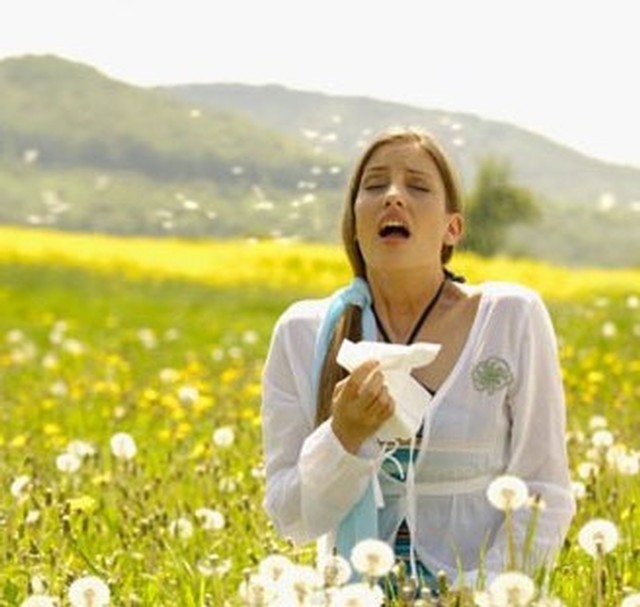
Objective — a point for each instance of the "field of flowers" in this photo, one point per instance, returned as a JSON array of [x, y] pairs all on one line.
[[130, 460]]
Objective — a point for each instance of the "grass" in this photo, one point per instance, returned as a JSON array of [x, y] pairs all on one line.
[[101, 335]]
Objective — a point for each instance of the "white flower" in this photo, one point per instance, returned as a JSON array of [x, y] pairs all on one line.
[[59, 388], [507, 492], [209, 519], [299, 581], [601, 439], [598, 422], [81, 448], [73, 347], [14, 336], [20, 487], [68, 463], [212, 565], [598, 536], [32, 517], [373, 558], [188, 395], [512, 589], [623, 461], [482, 598], [89, 591], [257, 590], [123, 446], [358, 595], [633, 302], [274, 566], [40, 600], [50, 361], [37, 584], [169, 375], [336, 571], [609, 329], [578, 489], [588, 470], [632, 600], [182, 528], [148, 338], [224, 437]]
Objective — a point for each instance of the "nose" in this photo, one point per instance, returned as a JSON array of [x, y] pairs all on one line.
[[393, 196]]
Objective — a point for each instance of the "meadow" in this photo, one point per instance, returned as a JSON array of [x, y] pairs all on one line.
[[130, 412]]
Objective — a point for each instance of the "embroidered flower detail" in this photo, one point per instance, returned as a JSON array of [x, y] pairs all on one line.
[[491, 375]]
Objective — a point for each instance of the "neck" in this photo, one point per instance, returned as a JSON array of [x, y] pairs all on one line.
[[399, 298]]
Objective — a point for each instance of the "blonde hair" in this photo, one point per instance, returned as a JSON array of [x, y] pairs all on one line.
[[350, 325]]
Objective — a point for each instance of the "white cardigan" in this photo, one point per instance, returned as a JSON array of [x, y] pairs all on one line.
[[500, 411]]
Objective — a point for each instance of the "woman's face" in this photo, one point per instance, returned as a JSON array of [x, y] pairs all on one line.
[[400, 211]]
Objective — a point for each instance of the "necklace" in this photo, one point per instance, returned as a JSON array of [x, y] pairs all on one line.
[[421, 319]]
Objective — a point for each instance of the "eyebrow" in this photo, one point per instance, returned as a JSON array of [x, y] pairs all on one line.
[[384, 168]]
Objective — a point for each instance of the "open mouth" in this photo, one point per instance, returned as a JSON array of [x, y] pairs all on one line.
[[394, 228]]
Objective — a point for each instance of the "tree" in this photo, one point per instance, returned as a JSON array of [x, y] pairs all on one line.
[[495, 204]]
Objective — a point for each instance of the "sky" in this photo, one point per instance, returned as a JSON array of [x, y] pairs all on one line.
[[565, 69]]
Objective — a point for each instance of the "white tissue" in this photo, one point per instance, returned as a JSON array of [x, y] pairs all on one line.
[[396, 363]]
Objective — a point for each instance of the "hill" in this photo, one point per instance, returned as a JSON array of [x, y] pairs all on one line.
[[80, 151], [341, 123], [85, 152]]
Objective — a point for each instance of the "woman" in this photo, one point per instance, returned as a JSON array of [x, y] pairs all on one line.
[[493, 396]]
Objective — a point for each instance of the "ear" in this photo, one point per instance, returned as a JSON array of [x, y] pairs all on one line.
[[454, 230]]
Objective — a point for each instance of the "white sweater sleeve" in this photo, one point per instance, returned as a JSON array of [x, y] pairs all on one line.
[[311, 481], [538, 448]]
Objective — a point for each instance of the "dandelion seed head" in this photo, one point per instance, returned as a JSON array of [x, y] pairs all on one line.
[[597, 537], [257, 590], [209, 519], [372, 557], [601, 439], [32, 517], [633, 302], [597, 422], [181, 528], [50, 361], [81, 448], [512, 589], [609, 329], [147, 337], [588, 470], [223, 437], [578, 489], [507, 492], [89, 591], [37, 584], [358, 595], [632, 600], [336, 571], [20, 486], [168, 375], [68, 463], [274, 566], [123, 446], [482, 598], [188, 395]]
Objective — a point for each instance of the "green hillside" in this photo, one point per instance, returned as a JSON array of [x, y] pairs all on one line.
[[81, 151]]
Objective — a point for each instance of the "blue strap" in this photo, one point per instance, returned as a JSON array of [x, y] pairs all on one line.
[[361, 522]]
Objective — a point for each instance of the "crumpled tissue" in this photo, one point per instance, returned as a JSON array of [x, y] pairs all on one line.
[[396, 362]]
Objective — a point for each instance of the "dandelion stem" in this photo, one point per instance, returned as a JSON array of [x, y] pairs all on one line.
[[511, 547]]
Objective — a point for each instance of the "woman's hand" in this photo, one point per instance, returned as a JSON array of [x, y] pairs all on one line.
[[361, 404]]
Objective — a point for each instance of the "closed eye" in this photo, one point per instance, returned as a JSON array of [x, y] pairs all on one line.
[[374, 185]]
